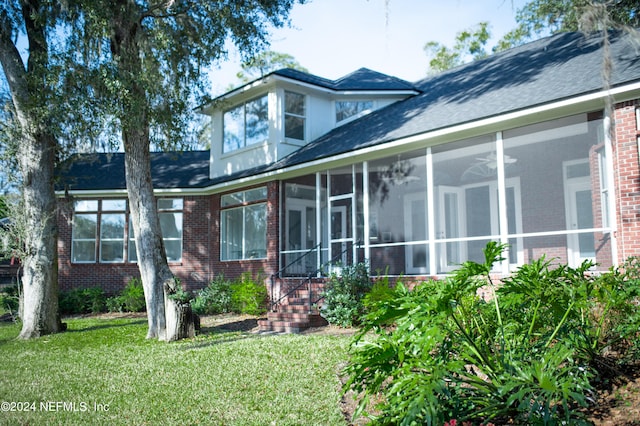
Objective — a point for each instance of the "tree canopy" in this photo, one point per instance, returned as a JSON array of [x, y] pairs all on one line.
[[535, 19], [470, 44], [144, 64], [264, 63]]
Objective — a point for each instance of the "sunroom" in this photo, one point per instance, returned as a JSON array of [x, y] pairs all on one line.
[[543, 189]]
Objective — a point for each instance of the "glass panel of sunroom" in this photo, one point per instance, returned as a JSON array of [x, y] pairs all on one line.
[[341, 181], [559, 165], [398, 214], [465, 175]]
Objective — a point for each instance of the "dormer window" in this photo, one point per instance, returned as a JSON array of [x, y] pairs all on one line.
[[246, 125], [294, 115], [352, 109]]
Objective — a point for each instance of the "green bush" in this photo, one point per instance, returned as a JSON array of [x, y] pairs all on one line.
[[441, 352], [249, 296], [82, 301], [130, 300], [380, 292], [344, 293], [213, 299], [616, 312], [10, 300]]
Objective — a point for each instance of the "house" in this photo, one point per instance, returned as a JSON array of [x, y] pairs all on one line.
[[414, 178]]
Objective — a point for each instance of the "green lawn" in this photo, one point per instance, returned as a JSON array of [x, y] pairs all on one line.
[[103, 371]]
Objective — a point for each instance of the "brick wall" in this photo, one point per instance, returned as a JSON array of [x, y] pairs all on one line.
[[627, 179], [201, 227], [200, 249]]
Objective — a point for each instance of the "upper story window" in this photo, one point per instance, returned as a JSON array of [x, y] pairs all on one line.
[[245, 125], [294, 115], [349, 109]]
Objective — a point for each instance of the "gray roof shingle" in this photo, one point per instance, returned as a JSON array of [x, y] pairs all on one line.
[[548, 70], [544, 71]]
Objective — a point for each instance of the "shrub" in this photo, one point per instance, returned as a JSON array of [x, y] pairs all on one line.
[[249, 296], [82, 301], [130, 300], [213, 299], [616, 311], [10, 300], [380, 292], [343, 295], [440, 352]]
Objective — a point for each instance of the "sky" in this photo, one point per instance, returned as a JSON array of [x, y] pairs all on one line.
[[332, 38]]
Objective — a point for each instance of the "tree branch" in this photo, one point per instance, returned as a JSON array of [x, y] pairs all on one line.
[[154, 8], [14, 68]]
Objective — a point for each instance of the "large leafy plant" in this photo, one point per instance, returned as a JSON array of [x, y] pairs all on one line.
[[442, 351]]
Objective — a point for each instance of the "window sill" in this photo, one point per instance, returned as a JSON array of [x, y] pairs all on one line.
[[244, 150], [294, 142]]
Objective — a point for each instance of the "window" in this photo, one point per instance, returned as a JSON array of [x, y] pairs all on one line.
[[294, 116], [84, 232], [112, 226], [170, 212], [170, 215], [243, 229], [99, 231], [349, 109], [246, 125]]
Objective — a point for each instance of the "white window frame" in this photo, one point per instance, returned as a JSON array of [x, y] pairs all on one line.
[[355, 116], [94, 239], [242, 205], [132, 250], [290, 114], [243, 106]]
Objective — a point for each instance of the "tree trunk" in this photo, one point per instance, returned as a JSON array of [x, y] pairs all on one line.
[[40, 273], [152, 260], [36, 156]]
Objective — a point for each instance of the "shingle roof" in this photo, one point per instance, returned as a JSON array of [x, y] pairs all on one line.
[[548, 70], [188, 169], [361, 79]]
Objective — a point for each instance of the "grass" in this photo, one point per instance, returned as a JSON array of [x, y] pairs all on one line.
[[103, 371]]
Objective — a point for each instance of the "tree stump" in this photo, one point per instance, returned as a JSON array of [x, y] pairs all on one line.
[[179, 316]]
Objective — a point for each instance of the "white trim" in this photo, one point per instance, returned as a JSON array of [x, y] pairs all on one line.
[[431, 217], [366, 232], [502, 202], [579, 104], [273, 78]]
